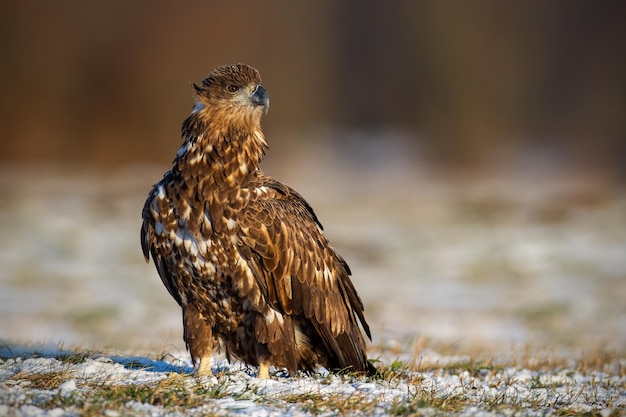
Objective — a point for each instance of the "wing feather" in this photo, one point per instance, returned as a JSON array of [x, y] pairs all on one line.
[[165, 218], [299, 273]]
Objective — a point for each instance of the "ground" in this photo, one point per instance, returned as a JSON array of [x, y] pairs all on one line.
[[486, 293], [40, 381]]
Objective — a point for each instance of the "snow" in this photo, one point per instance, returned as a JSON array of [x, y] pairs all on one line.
[[241, 393], [67, 388]]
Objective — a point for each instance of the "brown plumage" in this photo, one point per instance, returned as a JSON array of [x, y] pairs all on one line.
[[242, 254]]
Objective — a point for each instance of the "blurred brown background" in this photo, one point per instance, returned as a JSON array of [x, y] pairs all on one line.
[[460, 83], [468, 159]]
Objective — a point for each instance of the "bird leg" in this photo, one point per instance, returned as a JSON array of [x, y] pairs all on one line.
[[198, 338], [263, 357], [204, 368], [264, 370]]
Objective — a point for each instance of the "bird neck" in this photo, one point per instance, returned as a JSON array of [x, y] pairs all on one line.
[[225, 153]]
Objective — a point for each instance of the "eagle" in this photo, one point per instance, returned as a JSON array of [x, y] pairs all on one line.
[[244, 255]]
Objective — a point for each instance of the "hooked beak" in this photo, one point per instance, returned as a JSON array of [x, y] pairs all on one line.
[[260, 98]]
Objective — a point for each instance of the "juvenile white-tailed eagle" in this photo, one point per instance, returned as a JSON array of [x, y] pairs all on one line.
[[242, 254]]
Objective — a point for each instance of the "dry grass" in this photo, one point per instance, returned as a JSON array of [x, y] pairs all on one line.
[[403, 387]]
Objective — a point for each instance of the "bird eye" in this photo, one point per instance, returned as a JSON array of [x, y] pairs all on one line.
[[233, 88]]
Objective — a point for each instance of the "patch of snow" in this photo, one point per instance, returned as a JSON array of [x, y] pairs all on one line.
[[244, 394], [67, 388]]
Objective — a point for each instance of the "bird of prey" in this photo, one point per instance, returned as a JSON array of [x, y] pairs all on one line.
[[244, 255]]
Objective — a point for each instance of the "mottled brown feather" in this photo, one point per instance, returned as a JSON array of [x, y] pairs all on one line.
[[244, 255]]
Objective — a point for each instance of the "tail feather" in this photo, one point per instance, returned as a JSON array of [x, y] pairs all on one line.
[[346, 351]]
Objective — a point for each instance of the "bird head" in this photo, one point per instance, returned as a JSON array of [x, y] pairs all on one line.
[[233, 92]]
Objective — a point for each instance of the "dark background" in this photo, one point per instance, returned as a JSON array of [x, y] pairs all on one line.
[[457, 84]]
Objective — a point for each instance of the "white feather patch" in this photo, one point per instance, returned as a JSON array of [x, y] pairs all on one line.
[[161, 192], [261, 190], [178, 241], [272, 315], [193, 249], [202, 247], [206, 221], [208, 267]]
